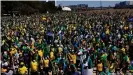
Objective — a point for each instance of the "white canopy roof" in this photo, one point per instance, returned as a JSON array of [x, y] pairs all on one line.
[[66, 9]]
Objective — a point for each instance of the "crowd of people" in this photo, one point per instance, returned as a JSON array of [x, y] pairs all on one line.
[[67, 43]]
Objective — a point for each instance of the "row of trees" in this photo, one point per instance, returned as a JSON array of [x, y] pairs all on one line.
[[28, 7]]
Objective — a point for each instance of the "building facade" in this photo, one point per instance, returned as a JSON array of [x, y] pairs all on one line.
[[125, 3], [79, 7], [82, 5], [130, 2]]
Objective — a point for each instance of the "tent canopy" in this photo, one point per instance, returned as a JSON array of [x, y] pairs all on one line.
[[66, 9]]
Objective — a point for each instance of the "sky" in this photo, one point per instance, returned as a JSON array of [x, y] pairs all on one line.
[[90, 3]]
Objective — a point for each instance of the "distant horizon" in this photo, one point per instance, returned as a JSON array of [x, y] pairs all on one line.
[[89, 3]]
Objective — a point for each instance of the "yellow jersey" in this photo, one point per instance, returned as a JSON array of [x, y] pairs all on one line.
[[44, 18], [3, 41], [32, 45], [73, 56], [112, 69], [13, 51], [40, 40], [46, 62], [40, 53], [60, 49], [51, 55], [123, 49], [34, 66], [52, 49], [100, 67], [107, 31], [22, 70], [74, 28]]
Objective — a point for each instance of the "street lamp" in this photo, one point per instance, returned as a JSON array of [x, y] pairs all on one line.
[[101, 4]]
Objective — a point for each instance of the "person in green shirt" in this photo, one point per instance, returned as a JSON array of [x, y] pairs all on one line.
[[107, 72], [104, 59], [36, 56], [90, 63], [55, 68], [102, 73], [16, 40], [130, 67], [126, 58], [5, 56], [25, 49]]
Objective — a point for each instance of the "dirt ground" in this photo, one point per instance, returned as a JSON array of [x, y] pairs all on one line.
[[129, 11]]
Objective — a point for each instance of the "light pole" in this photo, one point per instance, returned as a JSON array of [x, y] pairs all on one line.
[[101, 4]]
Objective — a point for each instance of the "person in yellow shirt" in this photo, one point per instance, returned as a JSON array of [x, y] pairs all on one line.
[[60, 49], [13, 51], [34, 67], [32, 44], [44, 18], [123, 50], [73, 57], [52, 54], [46, 65], [40, 53], [99, 66], [4, 69], [40, 40], [107, 31], [22, 70], [112, 67], [3, 42]]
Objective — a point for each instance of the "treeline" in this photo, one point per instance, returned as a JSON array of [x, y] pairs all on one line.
[[28, 7]]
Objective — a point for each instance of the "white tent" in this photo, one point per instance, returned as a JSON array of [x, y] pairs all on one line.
[[66, 9]]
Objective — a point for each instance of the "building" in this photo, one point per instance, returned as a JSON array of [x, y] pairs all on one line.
[[125, 3], [82, 5], [130, 2], [79, 7], [73, 6]]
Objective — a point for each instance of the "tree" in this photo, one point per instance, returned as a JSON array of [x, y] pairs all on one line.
[[28, 7]]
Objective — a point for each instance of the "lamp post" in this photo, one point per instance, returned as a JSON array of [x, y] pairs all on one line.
[[101, 4]]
